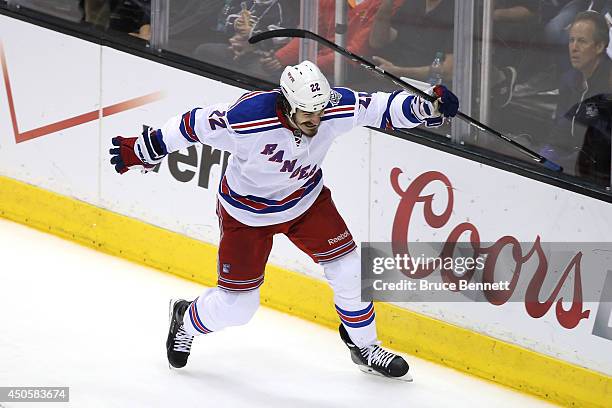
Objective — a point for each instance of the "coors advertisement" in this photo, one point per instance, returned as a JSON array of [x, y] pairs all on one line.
[[562, 276]]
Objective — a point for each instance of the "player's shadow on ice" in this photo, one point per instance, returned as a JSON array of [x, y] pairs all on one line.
[[249, 391]]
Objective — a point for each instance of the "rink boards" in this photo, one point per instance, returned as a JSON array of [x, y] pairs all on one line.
[[63, 99]]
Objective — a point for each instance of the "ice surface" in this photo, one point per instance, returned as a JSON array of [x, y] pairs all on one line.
[[71, 316]]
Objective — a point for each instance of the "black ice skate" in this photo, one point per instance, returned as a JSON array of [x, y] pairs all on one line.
[[178, 344], [376, 360]]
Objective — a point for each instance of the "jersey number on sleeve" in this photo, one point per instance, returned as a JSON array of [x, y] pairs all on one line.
[[218, 120]]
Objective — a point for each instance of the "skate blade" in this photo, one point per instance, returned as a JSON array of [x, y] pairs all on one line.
[[170, 308], [367, 370]]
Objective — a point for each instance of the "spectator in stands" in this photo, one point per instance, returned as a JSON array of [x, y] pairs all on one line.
[[359, 20], [132, 17], [515, 25], [590, 76], [514, 22], [556, 30], [239, 20], [553, 51], [190, 21], [594, 158], [549, 9], [406, 42]]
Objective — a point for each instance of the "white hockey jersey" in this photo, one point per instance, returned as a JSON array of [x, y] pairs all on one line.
[[273, 176]]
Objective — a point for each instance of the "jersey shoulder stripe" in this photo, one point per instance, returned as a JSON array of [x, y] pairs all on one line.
[[257, 125], [254, 112], [339, 112]]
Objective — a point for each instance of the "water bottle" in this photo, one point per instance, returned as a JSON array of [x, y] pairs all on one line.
[[222, 18], [435, 70]]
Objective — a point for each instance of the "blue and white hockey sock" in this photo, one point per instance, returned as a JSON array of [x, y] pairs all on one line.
[[360, 324], [217, 309], [358, 318]]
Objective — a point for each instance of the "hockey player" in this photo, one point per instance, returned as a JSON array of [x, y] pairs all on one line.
[[274, 185]]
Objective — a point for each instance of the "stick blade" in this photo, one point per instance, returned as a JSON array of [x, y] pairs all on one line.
[[284, 32], [551, 165]]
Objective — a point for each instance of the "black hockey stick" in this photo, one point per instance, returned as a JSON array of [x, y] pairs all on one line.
[[297, 32]]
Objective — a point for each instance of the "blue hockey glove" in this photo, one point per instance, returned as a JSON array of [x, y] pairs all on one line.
[[433, 114], [448, 103]]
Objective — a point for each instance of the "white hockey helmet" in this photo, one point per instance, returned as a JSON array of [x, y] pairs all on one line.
[[305, 87]]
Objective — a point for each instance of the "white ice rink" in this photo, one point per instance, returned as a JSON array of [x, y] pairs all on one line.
[[71, 316]]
